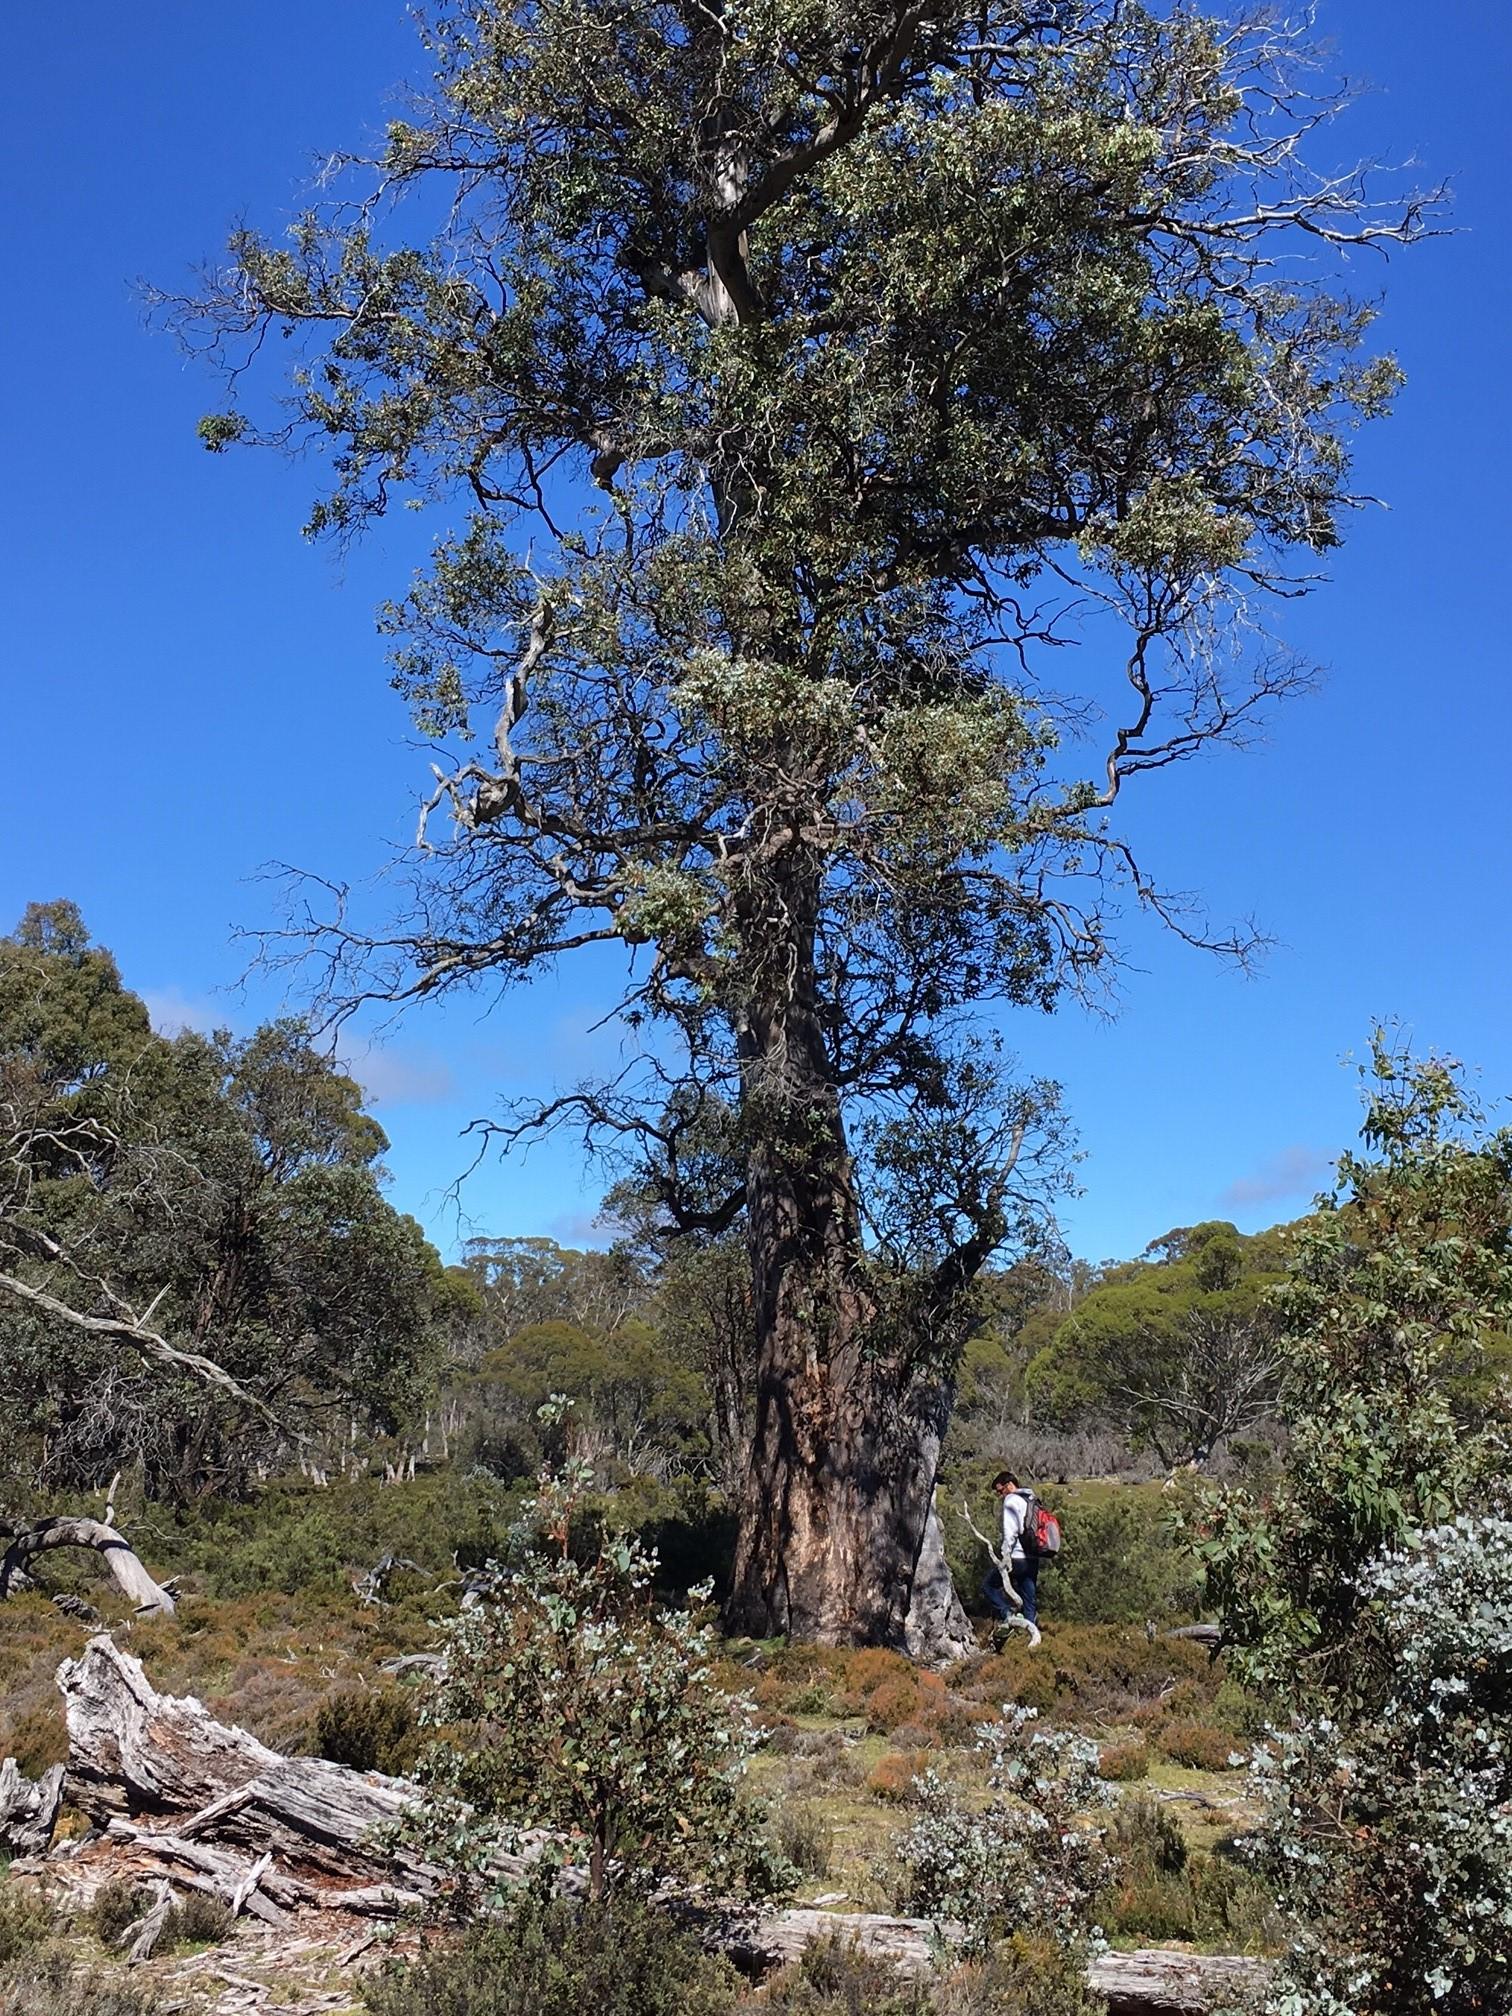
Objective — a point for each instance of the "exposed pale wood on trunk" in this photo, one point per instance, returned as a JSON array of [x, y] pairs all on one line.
[[28, 1809], [145, 1932], [1204, 1634]]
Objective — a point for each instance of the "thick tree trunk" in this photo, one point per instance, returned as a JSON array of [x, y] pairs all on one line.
[[836, 1508]]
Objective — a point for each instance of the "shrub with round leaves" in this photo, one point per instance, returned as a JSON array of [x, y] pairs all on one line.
[[1390, 1838], [570, 1702], [1029, 1860]]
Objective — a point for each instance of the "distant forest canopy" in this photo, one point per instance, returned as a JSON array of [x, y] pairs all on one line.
[[173, 1203]]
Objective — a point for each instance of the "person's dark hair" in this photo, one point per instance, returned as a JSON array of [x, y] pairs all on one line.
[[1005, 1478]]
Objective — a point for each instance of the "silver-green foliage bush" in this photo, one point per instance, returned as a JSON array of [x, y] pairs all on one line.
[[1391, 1838], [1026, 1861], [570, 1701]]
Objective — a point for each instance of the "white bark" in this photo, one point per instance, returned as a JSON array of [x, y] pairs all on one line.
[[149, 1596], [28, 1809], [937, 1630]]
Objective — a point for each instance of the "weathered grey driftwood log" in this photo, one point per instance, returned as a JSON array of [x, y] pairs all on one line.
[[1135, 1984], [183, 1797], [138, 1759], [26, 1542], [28, 1809]]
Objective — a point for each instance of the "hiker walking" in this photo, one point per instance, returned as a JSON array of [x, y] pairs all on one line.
[[1029, 1533]]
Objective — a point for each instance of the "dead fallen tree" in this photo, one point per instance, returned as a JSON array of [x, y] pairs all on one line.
[[179, 1797], [28, 1809], [1134, 1984], [178, 1794], [25, 1541]]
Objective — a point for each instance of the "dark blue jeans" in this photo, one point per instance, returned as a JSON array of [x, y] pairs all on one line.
[[1026, 1586]]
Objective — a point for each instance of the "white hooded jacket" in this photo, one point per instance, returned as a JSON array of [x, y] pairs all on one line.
[[1015, 1518]]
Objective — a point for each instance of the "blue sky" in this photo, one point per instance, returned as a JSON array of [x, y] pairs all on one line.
[[192, 691]]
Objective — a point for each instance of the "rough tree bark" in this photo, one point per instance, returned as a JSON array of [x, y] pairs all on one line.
[[838, 1507]]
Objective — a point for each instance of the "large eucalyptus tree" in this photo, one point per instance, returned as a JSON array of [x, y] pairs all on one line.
[[805, 372]]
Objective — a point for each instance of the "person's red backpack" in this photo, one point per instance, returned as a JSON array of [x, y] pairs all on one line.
[[1041, 1536]]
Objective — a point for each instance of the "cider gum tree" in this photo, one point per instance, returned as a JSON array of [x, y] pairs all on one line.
[[802, 372]]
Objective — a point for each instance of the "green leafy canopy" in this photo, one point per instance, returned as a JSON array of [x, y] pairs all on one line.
[[802, 370]]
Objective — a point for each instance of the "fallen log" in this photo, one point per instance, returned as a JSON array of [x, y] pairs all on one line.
[[1149, 1983], [182, 1797], [28, 1809], [182, 1793], [151, 1598]]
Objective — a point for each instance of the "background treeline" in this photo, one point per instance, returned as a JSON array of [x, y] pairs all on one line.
[[223, 1195]]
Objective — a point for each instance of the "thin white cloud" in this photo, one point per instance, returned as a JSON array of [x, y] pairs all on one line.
[[582, 1229], [172, 1011], [1291, 1172], [394, 1077]]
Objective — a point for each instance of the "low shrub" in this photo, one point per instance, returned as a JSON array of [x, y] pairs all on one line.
[[27, 1921], [891, 1778], [1144, 1839], [199, 1921], [1024, 1976], [891, 1703], [860, 1672], [1161, 1889], [116, 1905], [1122, 1763], [1198, 1745], [373, 1730], [1242, 1713], [1024, 1860], [834, 1977], [195, 1920], [47, 1983], [813, 1698], [1030, 1684], [804, 1838], [38, 1740], [554, 1959]]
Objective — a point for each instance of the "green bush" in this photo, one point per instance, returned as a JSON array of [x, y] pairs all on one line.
[[199, 1921], [1163, 1890], [1121, 1763], [574, 1702], [1024, 1976], [833, 1977], [46, 1983], [373, 1730], [1198, 1745], [27, 1921], [804, 1838], [116, 1905], [195, 1920], [555, 1959], [1120, 1564]]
